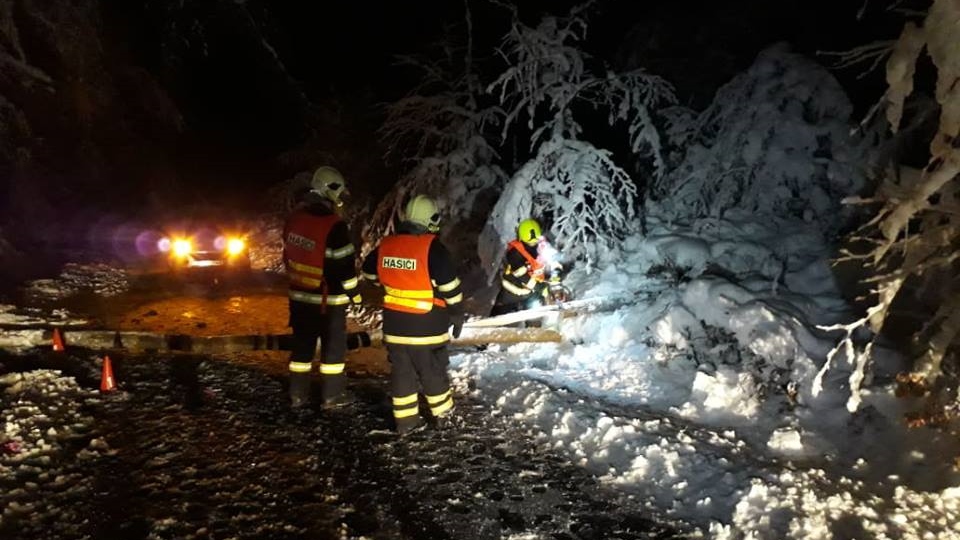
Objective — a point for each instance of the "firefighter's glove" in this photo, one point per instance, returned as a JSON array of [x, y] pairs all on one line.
[[456, 320]]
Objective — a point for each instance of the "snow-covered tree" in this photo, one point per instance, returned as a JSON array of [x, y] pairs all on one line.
[[914, 238], [441, 133], [586, 197], [774, 144]]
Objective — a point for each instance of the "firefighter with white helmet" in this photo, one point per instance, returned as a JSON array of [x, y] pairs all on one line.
[[422, 299], [319, 256]]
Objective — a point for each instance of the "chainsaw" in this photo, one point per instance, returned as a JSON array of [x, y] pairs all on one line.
[[558, 293]]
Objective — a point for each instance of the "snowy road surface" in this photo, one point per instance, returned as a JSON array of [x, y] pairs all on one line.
[[194, 447], [693, 404]]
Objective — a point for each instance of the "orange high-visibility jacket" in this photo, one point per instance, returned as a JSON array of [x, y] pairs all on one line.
[[305, 248], [403, 270]]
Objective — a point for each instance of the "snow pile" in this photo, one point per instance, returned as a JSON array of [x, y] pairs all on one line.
[[12, 316], [19, 326], [696, 394], [98, 278], [42, 420]]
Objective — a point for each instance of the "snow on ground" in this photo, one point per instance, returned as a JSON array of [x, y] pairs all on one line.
[[696, 394], [21, 328], [13, 316], [99, 278], [42, 420]]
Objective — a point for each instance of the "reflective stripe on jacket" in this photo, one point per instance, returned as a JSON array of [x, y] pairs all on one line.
[[305, 251], [403, 270]]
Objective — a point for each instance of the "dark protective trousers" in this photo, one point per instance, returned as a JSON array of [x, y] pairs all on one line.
[[311, 322], [415, 368]]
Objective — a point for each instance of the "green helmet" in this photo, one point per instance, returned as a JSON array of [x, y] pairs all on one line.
[[423, 211], [528, 232], [329, 184]]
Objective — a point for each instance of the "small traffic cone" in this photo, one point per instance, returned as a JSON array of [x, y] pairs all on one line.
[[58, 341], [107, 383]]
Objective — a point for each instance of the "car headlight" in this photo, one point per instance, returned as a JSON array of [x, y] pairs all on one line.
[[182, 247], [235, 246]]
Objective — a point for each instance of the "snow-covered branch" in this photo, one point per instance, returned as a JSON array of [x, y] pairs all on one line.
[[914, 236], [874, 53], [576, 187], [859, 358]]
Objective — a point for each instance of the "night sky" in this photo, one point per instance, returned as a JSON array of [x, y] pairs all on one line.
[[342, 55], [245, 116]]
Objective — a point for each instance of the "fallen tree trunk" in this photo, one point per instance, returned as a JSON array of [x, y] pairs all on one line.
[[557, 311], [23, 339]]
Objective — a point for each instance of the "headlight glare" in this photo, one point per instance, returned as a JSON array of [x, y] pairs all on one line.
[[182, 247], [235, 246]]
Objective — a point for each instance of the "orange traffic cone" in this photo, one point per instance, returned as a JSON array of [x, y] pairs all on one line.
[[58, 341], [107, 384]]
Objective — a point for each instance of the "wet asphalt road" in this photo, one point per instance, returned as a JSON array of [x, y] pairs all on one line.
[[204, 448]]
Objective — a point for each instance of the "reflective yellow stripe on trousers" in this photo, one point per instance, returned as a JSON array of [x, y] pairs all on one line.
[[441, 403], [300, 367], [405, 406], [332, 369]]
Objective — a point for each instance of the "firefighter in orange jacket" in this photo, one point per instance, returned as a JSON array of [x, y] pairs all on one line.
[[422, 299], [319, 257], [530, 275]]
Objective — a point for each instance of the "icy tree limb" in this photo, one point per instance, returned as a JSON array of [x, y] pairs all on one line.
[[943, 31], [900, 71], [899, 216], [929, 364], [872, 52], [849, 348], [858, 376]]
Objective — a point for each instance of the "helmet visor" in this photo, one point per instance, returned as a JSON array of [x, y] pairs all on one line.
[[434, 224]]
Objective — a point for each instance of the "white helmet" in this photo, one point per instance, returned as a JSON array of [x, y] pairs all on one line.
[[329, 184], [423, 211]]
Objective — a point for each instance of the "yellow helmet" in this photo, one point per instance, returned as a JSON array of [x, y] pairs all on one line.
[[423, 211], [528, 232], [329, 184]]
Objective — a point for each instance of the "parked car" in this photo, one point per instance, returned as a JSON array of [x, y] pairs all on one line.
[[204, 246]]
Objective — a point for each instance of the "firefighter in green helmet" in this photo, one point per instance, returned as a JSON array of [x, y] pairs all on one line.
[[531, 271]]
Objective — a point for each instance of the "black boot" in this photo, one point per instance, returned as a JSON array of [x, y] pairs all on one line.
[[333, 390], [299, 390]]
